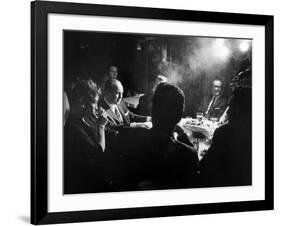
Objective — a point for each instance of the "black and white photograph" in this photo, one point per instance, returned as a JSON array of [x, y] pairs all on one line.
[[155, 111], [151, 113], [147, 112]]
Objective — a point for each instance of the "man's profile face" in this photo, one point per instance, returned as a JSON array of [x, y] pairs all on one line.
[[217, 86], [113, 72], [116, 94]]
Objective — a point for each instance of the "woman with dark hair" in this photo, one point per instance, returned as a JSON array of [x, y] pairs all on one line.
[[84, 141]]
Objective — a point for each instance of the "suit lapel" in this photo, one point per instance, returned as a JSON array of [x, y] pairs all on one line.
[[124, 112], [111, 116], [217, 102]]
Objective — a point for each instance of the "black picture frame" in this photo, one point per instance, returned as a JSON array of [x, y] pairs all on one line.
[[39, 112]]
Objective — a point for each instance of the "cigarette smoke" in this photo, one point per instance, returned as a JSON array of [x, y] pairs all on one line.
[[197, 63], [198, 56]]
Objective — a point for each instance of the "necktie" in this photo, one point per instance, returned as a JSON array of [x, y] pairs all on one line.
[[117, 113], [215, 100], [210, 105]]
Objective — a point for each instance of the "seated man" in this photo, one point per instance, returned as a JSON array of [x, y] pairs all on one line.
[[118, 115], [112, 73], [217, 104], [154, 159]]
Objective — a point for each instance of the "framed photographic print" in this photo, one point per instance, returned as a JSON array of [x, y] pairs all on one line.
[[144, 112]]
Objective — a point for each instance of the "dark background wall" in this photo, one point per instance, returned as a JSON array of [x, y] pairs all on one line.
[[192, 63]]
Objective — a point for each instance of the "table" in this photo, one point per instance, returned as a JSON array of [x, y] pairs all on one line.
[[200, 132], [133, 101]]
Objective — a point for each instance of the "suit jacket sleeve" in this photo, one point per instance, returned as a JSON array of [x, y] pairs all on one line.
[[132, 116], [137, 118]]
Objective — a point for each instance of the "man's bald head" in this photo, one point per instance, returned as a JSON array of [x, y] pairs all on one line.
[[113, 91]]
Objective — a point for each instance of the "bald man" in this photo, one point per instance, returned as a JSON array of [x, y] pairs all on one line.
[[119, 116]]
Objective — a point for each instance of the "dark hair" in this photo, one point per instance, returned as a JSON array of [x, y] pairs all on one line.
[[112, 65], [240, 104], [85, 90], [167, 105]]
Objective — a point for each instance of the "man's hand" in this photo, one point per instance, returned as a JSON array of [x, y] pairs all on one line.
[[102, 117]]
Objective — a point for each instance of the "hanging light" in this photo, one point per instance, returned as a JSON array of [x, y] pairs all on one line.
[[220, 49], [244, 46]]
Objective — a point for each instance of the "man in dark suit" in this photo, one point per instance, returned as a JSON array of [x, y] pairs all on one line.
[[217, 104], [119, 116]]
